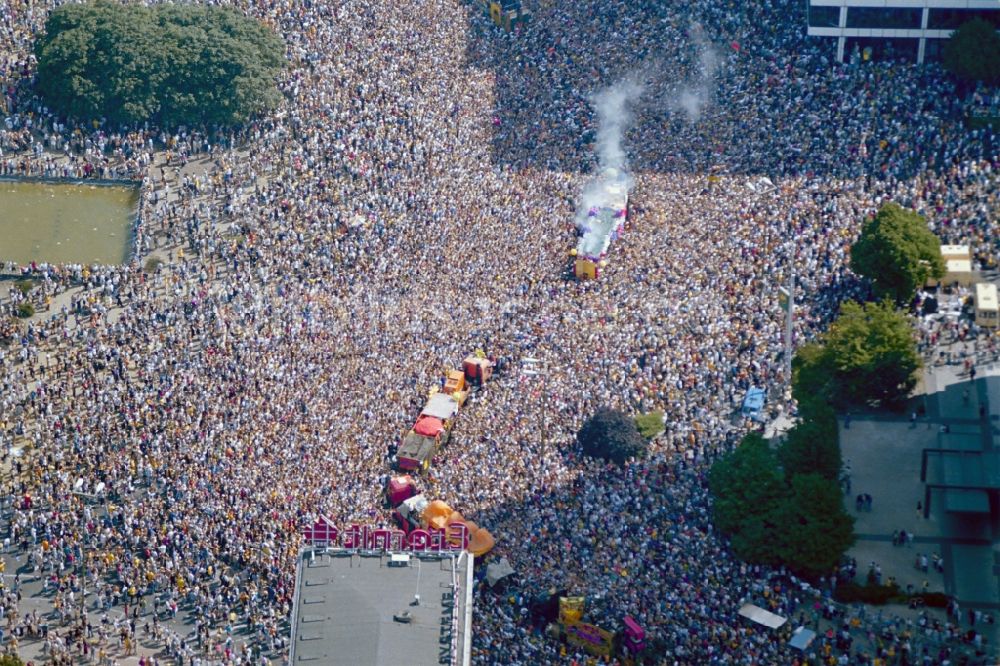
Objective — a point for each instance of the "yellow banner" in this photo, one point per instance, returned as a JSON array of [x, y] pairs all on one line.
[[570, 609], [591, 638]]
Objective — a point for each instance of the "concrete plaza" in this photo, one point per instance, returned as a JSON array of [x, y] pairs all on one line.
[[884, 456]]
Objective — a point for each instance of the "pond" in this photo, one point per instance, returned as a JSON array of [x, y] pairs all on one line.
[[66, 222]]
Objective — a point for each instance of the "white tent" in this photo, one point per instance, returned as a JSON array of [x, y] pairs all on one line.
[[801, 638], [761, 616], [497, 571]]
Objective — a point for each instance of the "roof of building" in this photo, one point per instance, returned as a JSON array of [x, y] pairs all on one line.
[[958, 265], [962, 470], [345, 603], [441, 405], [417, 447], [955, 252], [986, 295]]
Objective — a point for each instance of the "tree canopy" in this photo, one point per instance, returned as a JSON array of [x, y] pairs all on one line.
[[973, 52], [747, 487], [798, 522], [814, 530], [611, 435], [813, 445], [897, 252], [873, 353], [869, 355], [169, 64]]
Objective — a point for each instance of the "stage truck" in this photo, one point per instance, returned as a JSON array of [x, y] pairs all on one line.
[[433, 426], [600, 220]]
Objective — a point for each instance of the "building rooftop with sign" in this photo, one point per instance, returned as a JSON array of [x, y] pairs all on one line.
[[357, 608]]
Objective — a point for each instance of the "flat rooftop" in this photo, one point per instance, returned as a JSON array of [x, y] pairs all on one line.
[[345, 602]]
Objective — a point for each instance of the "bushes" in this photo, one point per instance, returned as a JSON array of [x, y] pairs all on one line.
[[25, 310], [934, 599], [611, 435], [649, 425], [24, 286], [877, 595]]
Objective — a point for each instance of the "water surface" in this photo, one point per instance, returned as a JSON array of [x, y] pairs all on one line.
[[66, 223]]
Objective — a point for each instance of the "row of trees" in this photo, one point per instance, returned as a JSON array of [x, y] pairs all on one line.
[[173, 64], [869, 355], [179, 64], [785, 505]]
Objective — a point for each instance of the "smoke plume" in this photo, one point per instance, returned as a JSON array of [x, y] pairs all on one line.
[[613, 119], [696, 94]]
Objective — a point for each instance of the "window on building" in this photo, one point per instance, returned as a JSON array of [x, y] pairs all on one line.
[[949, 19], [934, 50], [824, 17], [883, 17], [882, 48]]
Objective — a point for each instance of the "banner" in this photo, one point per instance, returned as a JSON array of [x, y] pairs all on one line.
[[591, 638], [570, 609]]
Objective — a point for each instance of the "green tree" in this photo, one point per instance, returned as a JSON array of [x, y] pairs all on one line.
[[747, 488], [812, 374], [611, 435], [800, 523], [872, 353], [972, 53], [170, 64], [10, 660], [897, 252], [814, 530], [813, 445]]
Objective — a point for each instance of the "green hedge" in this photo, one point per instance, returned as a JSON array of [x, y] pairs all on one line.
[[878, 595], [868, 594], [934, 599], [649, 425]]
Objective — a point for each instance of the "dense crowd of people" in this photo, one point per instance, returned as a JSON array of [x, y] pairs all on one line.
[[413, 200]]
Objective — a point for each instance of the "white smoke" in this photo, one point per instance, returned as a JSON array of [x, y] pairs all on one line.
[[613, 119], [695, 95]]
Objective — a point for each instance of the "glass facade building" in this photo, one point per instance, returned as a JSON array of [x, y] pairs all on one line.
[[913, 30]]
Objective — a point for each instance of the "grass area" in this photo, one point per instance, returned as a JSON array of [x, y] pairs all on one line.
[[649, 425]]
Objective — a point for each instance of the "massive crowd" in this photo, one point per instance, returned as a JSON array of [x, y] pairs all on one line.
[[412, 201]]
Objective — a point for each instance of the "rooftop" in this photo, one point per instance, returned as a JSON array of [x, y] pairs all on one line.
[[345, 603]]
